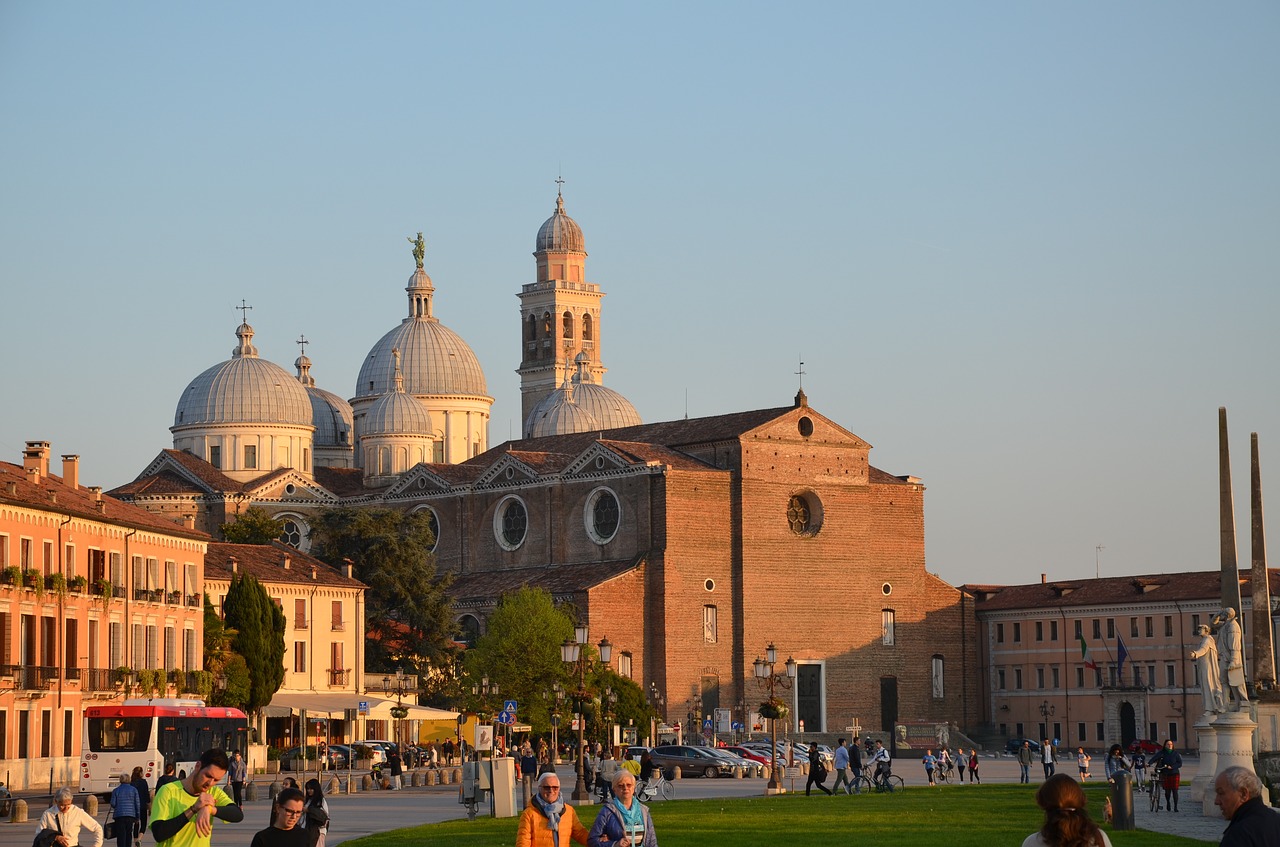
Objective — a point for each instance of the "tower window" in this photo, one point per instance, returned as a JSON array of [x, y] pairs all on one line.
[[533, 328], [586, 327], [546, 324], [215, 457], [567, 321]]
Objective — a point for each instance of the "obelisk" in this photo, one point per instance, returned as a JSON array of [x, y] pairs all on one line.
[[1227, 519], [1264, 659]]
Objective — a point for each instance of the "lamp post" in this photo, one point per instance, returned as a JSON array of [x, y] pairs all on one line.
[[658, 702], [484, 691], [767, 678], [1046, 712], [397, 685], [572, 654], [609, 704]]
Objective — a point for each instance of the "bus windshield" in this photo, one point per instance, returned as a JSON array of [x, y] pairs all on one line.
[[119, 735]]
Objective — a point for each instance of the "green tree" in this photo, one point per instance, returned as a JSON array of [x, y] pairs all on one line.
[[408, 616], [252, 526], [259, 638], [219, 660], [520, 651]]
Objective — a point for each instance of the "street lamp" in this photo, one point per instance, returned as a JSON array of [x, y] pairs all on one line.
[[1046, 712], [572, 654], [658, 702], [767, 678], [484, 691], [399, 685]]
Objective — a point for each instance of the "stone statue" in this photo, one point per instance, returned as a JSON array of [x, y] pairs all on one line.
[[419, 249], [1206, 656], [1231, 655]]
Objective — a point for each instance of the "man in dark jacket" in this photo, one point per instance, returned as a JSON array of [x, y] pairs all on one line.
[[1238, 793]]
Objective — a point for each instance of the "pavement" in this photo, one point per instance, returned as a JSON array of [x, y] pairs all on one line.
[[362, 813]]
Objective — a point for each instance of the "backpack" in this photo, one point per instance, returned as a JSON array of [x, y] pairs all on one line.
[[317, 817]]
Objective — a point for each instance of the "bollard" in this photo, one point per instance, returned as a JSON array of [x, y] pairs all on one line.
[[446, 776], [738, 772], [366, 782], [419, 779], [19, 814], [91, 805], [333, 786], [250, 792], [350, 785], [272, 790], [433, 778], [1122, 801], [764, 771], [457, 775], [675, 772]]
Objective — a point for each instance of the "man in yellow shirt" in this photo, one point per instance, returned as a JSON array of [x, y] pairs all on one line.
[[182, 812]]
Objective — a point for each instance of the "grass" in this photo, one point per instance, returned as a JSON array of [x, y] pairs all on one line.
[[954, 816]]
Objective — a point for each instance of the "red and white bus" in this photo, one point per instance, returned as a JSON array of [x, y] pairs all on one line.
[[151, 733]]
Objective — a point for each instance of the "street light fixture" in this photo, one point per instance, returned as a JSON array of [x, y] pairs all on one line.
[[483, 690], [767, 678], [399, 686], [658, 702], [572, 654]]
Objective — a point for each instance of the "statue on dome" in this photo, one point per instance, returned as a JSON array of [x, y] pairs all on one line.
[[419, 249]]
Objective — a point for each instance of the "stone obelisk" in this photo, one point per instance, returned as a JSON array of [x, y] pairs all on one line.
[[1227, 519], [1264, 659]]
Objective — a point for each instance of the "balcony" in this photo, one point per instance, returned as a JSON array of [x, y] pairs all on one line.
[[100, 679], [30, 677], [339, 678], [173, 598], [337, 626], [194, 600]]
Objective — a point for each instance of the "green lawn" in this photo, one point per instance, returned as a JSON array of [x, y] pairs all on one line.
[[953, 816]]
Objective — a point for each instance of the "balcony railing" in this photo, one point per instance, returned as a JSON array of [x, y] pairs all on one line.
[[299, 623], [193, 600], [337, 626], [30, 677], [174, 598], [100, 679], [339, 678]]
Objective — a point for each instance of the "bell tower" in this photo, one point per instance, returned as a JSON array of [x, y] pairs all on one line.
[[559, 313]]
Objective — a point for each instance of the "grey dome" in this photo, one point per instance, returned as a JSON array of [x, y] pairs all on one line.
[[559, 414], [332, 418], [607, 406], [396, 413], [244, 389], [560, 232], [436, 361]]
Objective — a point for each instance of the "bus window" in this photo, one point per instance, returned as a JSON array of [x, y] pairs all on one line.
[[119, 735]]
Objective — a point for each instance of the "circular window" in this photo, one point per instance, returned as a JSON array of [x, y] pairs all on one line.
[[599, 462], [603, 515], [804, 513], [510, 523], [710, 585], [805, 425], [511, 473], [290, 488], [292, 533], [422, 482], [433, 522], [887, 589]]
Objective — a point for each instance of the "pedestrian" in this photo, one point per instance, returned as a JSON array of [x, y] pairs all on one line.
[[855, 766], [284, 830], [1047, 758], [1167, 765], [1024, 762], [236, 776], [1082, 763], [624, 820], [397, 769], [549, 821], [144, 794], [127, 806], [168, 777], [960, 763], [194, 801], [67, 819], [1066, 821], [841, 765], [973, 766], [930, 762], [1238, 793], [817, 771], [316, 814], [1115, 763], [528, 772], [1140, 768]]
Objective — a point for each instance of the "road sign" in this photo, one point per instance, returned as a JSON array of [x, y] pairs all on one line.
[[364, 707], [724, 720], [509, 706], [506, 718], [706, 725]]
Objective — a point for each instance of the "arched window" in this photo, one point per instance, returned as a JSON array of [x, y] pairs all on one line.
[[533, 328], [567, 321], [586, 327], [546, 324], [470, 630]]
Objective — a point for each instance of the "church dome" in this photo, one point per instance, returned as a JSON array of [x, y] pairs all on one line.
[[560, 232], [244, 389], [609, 408], [396, 413], [559, 414], [330, 414]]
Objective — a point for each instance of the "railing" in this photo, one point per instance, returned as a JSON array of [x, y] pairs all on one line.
[[337, 626], [299, 622], [100, 679], [70, 674], [117, 591], [338, 678], [174, 598], [32, 677], [141, 594], [194, 600]]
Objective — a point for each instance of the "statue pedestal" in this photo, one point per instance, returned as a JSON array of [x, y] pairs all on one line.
[[1235, 747], [1208, 758]]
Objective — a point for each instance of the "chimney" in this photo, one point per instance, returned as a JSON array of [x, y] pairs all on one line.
[[1044, 578], [287, 561], [235, 564], [35, 460], [189, 521], [71, 471], [313, 571], [348, 568], [96, 491]]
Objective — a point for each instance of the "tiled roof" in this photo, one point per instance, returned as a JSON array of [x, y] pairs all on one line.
[[165, 482], [1189, 586], [51, 495], [344, 482], [557, 579], [643, 453], [207, 473], [265, 563]]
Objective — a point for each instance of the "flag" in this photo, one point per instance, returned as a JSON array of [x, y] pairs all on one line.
[[1121, 655], [1084, 655]]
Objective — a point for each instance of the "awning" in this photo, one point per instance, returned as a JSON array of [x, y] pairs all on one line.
[[335, 705]]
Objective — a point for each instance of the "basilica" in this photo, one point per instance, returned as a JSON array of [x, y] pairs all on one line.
[[691, 544]]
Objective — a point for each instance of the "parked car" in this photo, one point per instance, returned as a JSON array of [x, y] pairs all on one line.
[[692, 761], [729, 756], [336, 759], [1013, 745], [1145, 746], [758, 755], [634, 752], [375, 754]]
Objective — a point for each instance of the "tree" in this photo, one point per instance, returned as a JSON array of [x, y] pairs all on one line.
[[259, 638], [408, 616], [520, 651], [252, 526], [220, 661]]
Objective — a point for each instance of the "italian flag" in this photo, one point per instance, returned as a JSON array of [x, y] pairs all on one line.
[[1084, 655]]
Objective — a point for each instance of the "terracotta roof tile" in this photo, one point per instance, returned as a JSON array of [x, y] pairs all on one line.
[[265, 563], [1112, 590], [344, 482], [557, 579]]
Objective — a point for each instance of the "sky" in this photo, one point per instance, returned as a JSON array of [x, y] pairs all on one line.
[[1026, 250]]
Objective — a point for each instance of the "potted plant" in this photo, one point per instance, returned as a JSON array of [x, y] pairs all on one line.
[[58, 584], [34, 580], [78, 583], [105, 590], [774, 709], [11, 575]]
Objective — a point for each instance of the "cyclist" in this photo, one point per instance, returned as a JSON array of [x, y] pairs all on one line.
[[880, 758]]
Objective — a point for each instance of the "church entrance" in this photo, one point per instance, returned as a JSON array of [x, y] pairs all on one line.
[[1128, 725], [809, 697], [888, 703]]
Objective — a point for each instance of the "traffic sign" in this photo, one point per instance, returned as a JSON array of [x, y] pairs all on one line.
[[506, 718], [364, 707], [509, 706], [706, 725]]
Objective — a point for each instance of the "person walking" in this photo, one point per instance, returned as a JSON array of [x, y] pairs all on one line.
[[1024, 762], [1167, 766], [817, 771], [195, 802], [1115, 763], [623, 821], [855, 766], [168, 776], [397, 769], [127, 806], [930, 762], [315, 818], [1047, 758], [528, 772], [973, 766], [236, 776], [1082, 763], [67, 819], [549, 821], [960, 763], [842, 768], [284, 830], [1140, 768], [139, 782]]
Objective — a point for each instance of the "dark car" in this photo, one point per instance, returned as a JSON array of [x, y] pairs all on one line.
[[692, 761], [1145, 746], [336, 758], [1013, 745]]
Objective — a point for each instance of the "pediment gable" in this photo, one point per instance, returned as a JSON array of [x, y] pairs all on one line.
[[507, 470], [419, 479], [597, 458], [166, 463], [289, 486], [805, 425]]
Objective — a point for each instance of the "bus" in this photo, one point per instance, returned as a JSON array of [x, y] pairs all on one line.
[[152, 733]]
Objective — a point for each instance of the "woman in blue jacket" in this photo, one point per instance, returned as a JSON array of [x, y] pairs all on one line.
[[623, 821]]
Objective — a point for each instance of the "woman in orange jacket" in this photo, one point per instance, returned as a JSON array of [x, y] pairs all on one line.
[[548, 822]]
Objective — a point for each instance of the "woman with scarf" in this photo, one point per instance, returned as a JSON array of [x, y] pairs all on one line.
[[623, 821], [548, 822]]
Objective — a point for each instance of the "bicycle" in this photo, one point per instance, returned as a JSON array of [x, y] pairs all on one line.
[[886, 784], [657, 786], [1153, 788], [941, 774]]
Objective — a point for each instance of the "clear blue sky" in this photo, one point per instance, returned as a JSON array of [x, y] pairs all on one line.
[[1024, 249]]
